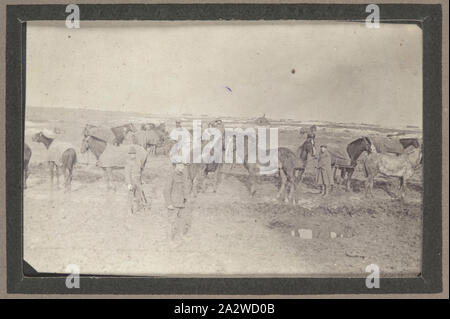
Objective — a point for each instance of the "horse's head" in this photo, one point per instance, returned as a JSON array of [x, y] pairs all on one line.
[[357, 147], [366, 144], [131, 128], [87, 129], [37, 137], [85, 144]]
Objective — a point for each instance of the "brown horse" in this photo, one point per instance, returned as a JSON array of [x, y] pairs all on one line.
[[354, 151], [26, 160], [291, 167], [110, 158], [198, 172], [61, 156]]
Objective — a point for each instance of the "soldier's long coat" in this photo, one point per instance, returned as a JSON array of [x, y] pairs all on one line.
[[324, 175]]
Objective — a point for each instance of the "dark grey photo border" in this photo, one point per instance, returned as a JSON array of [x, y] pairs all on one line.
[[428, 17]]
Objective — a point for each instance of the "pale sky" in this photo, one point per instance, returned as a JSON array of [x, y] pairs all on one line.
[[344, 72]]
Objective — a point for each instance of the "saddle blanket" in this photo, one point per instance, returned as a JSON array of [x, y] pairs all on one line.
[[387, 145], [102, 133], [56, 150], [116, 156]]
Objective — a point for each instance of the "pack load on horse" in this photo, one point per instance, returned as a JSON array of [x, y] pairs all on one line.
[[148, 139], [387, 145], [111, 157], [148, 126], [60, 155], [151, 137], [112, 135]]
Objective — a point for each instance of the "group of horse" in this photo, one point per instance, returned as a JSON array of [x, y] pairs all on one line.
[[291, 165], [95, 138]]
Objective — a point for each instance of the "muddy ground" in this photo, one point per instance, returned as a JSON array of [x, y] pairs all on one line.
[[231, 232]]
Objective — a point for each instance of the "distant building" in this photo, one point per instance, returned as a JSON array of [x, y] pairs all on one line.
[[262, 120]]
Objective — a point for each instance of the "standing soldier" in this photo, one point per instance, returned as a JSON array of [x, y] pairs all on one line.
[[176, 197], [133, 177], [324, 177]]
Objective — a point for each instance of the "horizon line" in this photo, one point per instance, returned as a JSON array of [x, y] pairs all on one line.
[[404, 126]]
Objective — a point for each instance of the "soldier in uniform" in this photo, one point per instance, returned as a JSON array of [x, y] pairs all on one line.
[[133, 178], [176, 196], [324, 177]]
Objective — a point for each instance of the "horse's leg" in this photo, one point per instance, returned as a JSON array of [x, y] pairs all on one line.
[[334, 173], [66, 178], [70, 178], [283, 182], [300, 175], [372, 177], [402, 184], [292, 197], [367, 185], [107, 176], [402, 193], [343, 175], [203, 179], [194, 186], [57, 176], [349, 179], [50, 167], [217, 178], [252, 180], [111, 177], [194, 181]]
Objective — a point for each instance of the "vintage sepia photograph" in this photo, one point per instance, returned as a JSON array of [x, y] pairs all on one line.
[[282, 148]]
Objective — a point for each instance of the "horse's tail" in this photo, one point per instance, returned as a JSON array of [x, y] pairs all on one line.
[[69, 159], [144, 160]]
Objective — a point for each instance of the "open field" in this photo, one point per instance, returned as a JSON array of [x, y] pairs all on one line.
[[232, 233]]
